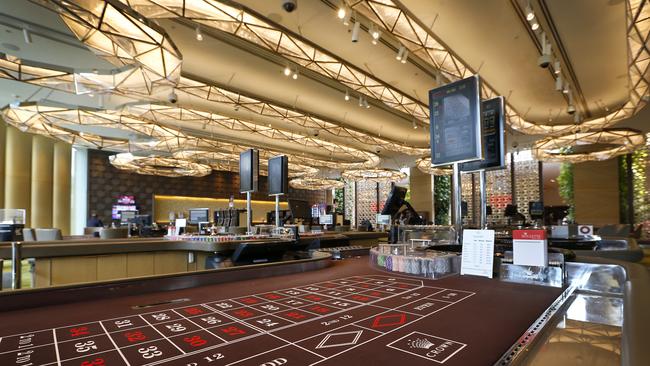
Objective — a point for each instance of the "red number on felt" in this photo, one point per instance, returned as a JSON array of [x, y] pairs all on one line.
[[76, 332], [313, 297], [360, 298], [233, 331], [95, 362], [195, 341], [249, 300], [243, 313], [193, 311], [272, 297], [135, 336], [295, 315], [320, 309]]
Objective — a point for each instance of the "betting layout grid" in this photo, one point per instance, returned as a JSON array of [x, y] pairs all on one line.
[[313, 322]]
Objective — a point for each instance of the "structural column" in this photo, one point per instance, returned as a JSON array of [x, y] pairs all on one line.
[[18, 162], [61, 187], [41, 181], [3, 141]]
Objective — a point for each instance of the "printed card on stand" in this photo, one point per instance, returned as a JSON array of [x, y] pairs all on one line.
[[478, 253], [530, 248]]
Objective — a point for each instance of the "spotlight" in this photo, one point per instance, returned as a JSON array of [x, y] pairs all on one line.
[[529, 13], [342, 13], [347, 95], [546, 58], [400, 53], [360, 101], [557, 67], [355, 31], [199, 34], [375, 33], [405, 56], [415, 125], [346, 18], [534, 25], [365, 103], [295, 75], [287, 71], [27, 35], [559, 83]]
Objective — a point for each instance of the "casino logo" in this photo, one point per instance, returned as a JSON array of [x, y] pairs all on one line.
[[427, 346]]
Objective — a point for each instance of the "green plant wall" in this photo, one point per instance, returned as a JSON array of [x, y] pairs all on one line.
[[641, 201], [565, 185], [442, 197]]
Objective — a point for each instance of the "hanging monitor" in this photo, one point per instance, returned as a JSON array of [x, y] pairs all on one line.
[[249, 171], [455, 111], [493, 137], [278, 175]]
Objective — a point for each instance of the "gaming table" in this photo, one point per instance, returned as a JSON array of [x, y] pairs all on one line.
[[345, 314]]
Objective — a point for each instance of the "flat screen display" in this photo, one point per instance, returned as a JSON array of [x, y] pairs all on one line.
[[125, 216], [492, 111], [115, 212], [248, 171], [455, 111], [199, 215], [300, 209]]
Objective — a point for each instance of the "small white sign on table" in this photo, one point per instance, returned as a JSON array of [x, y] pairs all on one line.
[[478, 253], [529, 248]]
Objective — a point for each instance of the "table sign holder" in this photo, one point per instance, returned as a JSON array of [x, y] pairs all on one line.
[[553, 275], [478, 253]]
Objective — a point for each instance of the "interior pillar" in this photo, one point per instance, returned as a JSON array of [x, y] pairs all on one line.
[[41, 181], [3, 141], [61, 187], [18, 162]]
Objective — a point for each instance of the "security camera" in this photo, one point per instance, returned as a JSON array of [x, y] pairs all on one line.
[[289, 5], [315, 132], [544, 61], [378, 150], [172, 97], [571, 109]]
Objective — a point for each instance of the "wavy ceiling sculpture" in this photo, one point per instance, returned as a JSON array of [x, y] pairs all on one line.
[[396, 20]]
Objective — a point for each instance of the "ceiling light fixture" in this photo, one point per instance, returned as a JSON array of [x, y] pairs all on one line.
[[294, 76], [346, 18], [342, 12], [315, 184], [375, 33], [199, 34], [534, 25], [355, 31], [347, 95], [400, 53], [415, 125], [374, 175], [530, 15], [27, 35], [557, 67], [405, 56], [424, 165], [560, 148], [286, 71], [559, 83], [360, 101]]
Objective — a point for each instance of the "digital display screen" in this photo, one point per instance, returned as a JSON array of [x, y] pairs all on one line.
[[383, 219], [326, 219], [115, 212], [125, 216], [199, 215], [455, 111], [493, 137]]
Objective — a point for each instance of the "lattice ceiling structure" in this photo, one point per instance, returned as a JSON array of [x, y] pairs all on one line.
[[301, 119], [315, 184], [160, 166], [374, 175], [247, 25], [124, 38], [608, 143], [421, 41], [424, 165]]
